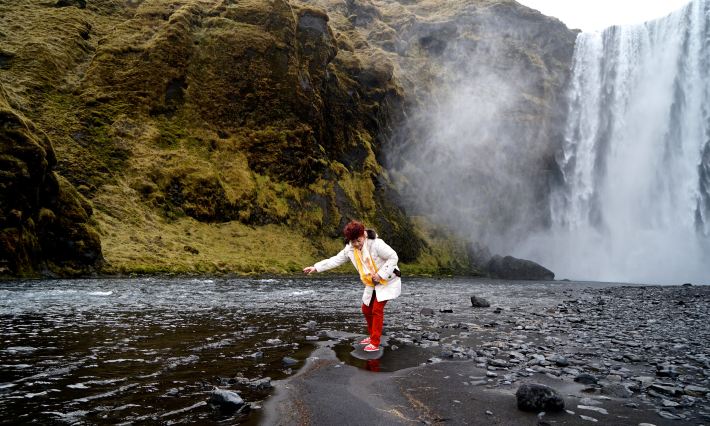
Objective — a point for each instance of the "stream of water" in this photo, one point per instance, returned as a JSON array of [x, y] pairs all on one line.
[[152, 350]]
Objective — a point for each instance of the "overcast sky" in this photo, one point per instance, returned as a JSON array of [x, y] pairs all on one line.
[[591, 15]]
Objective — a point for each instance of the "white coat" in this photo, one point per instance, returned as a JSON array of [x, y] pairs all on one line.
[[385, 259]]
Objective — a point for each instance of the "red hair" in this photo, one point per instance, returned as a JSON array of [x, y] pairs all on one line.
[[354, 230]]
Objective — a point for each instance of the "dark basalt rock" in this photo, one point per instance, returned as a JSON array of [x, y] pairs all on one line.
[[44, 221], [512, 268], [586, 379], [537, 398], [288, 361], [227, 400], [479, 302]]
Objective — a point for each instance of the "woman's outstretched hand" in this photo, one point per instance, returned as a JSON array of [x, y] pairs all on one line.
[[309, 270]]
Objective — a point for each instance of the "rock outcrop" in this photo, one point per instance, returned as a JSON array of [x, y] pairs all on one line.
[[44, 221], [512, 268]]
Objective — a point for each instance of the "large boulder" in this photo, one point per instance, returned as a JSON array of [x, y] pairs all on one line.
[[537, 398], [512, 268], [479, 302]]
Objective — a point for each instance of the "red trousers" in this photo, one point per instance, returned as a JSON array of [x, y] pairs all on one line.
[[375, 316]]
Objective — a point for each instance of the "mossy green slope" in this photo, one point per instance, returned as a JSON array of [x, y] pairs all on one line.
[[210, 136]]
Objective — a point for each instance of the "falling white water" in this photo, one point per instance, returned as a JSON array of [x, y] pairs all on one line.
[[635, 202]]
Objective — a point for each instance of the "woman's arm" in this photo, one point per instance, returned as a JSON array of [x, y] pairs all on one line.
[[330, 263]]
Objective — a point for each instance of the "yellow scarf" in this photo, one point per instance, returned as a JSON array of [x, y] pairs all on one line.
[[365, 278]]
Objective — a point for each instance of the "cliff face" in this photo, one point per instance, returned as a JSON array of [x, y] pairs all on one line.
[[484, 85], [218, 135], [44, 222]]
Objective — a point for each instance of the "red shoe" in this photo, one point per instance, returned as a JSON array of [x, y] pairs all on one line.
[[365, 341], [371, 348]]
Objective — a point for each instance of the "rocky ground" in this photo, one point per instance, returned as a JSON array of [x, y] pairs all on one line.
[[277, 351], [615, 355]]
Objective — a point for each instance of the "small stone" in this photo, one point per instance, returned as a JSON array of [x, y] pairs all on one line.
[[617, 390], [666, 390], [589, 419], [427, 312], [261, 384], [432, 335], [590, 408], [559, 360], [666, 370], [446, 311], [667, 415], [695, 390], [634, 357], [586, 379], [631, 405], [489, 413], [256, 355], [288, 361], [498, 362], [491, 374], [311, 325], [312, 338], [589, 401], [669, 404], [226, 399]]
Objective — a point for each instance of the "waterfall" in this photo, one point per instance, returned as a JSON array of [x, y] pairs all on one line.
[[634, 205]]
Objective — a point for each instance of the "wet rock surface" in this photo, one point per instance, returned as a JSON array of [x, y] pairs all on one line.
[[86, 351], [537, 398]]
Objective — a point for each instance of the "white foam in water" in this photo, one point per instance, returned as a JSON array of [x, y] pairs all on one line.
[[101, 293], [119, 360], [78, 386], [20, 349], [106, 382]]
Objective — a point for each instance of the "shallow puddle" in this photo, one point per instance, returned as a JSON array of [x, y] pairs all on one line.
[[392, 360]]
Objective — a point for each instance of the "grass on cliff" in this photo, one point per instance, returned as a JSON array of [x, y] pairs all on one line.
[[137, 239]]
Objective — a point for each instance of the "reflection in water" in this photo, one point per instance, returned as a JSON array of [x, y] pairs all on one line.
[[372, 365]]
